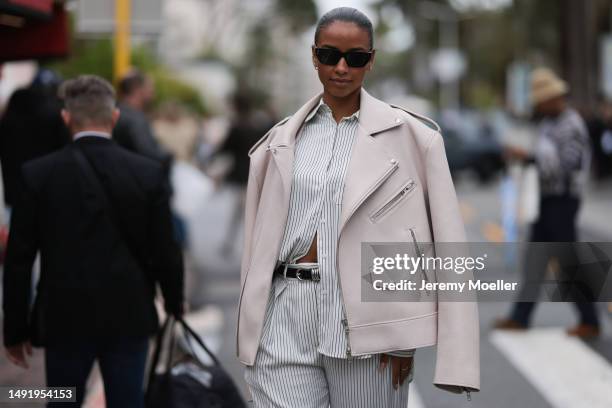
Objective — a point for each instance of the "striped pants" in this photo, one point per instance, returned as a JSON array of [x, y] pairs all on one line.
[[289, 372]]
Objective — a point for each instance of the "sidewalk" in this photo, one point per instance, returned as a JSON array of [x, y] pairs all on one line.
[[11, 375]]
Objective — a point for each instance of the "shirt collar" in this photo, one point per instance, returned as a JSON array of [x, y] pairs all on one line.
[[323, 106], [91, 133]]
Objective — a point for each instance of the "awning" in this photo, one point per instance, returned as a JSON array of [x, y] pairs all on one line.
[[42, 9], [36, 39]]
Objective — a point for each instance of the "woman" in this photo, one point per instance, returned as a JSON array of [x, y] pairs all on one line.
[[346, 168]]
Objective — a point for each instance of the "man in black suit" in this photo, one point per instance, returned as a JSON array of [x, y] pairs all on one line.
[[100, 217], [133, 130], [31, 127]]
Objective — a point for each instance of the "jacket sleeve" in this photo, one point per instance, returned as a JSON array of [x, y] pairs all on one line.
[[166, 258], [23, 244], [457, 354]]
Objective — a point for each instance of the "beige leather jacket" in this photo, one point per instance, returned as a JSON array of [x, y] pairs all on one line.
[[393, 148]]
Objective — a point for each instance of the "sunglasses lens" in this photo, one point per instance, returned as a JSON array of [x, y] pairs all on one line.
[[357, 59], [328, 56]]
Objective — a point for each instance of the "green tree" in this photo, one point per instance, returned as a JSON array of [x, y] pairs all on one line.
[[96, 57], [301, 13]]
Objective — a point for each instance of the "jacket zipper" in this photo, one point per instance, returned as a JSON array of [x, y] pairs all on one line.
[[418, 250], [345, 321], [469, 395], [393, 201], [377, 184], [273, 148], [346, 332]]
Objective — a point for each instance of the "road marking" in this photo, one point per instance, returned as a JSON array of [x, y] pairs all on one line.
[[563, 369], [414, 398]]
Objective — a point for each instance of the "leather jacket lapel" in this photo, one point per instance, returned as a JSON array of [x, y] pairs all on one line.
[[370, 163]]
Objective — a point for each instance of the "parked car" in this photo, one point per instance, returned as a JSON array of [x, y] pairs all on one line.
[[472, 144]]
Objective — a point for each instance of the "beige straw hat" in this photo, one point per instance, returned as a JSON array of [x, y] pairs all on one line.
[[546, 85]]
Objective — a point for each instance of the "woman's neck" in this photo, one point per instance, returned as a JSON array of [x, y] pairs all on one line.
[[344, 106]]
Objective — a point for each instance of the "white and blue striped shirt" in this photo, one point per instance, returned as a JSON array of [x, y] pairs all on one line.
[[322, 153]]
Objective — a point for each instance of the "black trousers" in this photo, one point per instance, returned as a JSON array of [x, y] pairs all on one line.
[[556, 223], [122, 364]]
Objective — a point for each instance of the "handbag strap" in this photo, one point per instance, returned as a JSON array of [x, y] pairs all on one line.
[[190, 333], [168, 327], [168, 330], [159, 341]]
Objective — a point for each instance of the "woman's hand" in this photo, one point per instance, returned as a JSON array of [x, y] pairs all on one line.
[[400, 368]]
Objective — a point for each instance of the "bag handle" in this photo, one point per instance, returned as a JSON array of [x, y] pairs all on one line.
[[159, 341], [189, 332], [169, 326]]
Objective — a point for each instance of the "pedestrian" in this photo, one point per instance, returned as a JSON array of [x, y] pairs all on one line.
[[346, 168], [133, 130], [562, 157], [99, 216], [30, 127], [246, 129]]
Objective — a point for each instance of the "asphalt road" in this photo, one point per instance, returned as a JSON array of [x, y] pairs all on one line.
[[541, 368]]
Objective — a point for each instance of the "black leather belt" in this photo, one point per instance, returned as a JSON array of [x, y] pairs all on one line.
[[299, 271]]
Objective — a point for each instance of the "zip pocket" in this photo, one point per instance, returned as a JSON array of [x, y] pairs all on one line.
[[418, 254], [393, 201], [273, 148]]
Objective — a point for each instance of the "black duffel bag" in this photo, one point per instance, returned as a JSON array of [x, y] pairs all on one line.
[[188, 382]]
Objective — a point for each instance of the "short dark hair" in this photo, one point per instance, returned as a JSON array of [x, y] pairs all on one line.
[[90, 99], [130, 82], [346, 14]]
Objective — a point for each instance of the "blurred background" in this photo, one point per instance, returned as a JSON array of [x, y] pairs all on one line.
[[224, 71]]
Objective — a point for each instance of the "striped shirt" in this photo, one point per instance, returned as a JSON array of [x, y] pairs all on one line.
[[322, 153], [563, 154]]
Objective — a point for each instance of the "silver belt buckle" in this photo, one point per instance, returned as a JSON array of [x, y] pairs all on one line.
[[298, 274]]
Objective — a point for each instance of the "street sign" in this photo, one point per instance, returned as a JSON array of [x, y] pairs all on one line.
[[98, 17], [517, 88]]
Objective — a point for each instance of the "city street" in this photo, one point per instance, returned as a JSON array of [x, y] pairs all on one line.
[[529, 369], [518, 370], [520, 90]]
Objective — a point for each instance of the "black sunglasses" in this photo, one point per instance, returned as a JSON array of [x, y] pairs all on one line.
[[354, 59]]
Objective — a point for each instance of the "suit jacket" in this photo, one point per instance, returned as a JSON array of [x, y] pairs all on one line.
[[398, 188], [31, 127], [95, 279], [134, 132]]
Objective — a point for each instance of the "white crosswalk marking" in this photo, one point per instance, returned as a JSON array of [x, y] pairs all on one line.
[[563, 369]]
